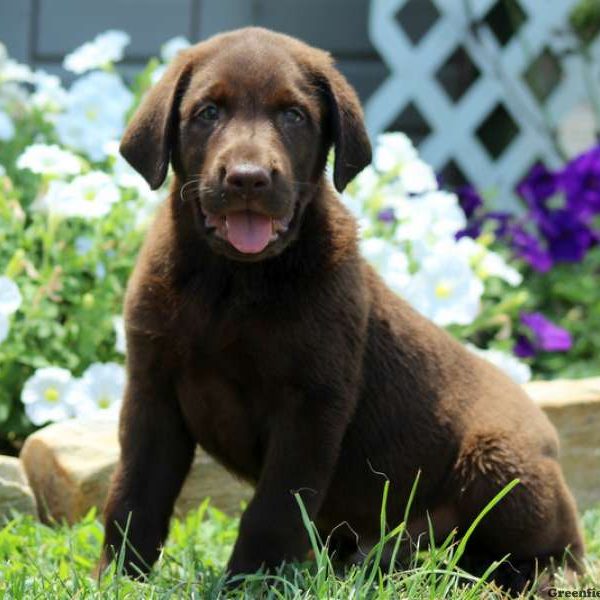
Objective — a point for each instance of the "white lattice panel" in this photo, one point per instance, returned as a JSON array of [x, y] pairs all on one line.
[[414, 65]]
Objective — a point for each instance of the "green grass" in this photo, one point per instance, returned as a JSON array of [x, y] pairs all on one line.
[[37, 561]]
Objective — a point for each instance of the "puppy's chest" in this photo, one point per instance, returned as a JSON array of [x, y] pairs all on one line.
[[229, 388]]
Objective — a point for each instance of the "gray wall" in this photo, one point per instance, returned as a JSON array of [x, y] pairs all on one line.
[[41, 32]]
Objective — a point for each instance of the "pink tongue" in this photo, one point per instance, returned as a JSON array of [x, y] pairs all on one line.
[[248, 232]]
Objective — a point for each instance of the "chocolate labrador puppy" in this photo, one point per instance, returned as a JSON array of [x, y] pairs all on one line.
[[255, 329]]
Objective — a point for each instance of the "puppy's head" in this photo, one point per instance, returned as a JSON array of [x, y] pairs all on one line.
[[247, 119]]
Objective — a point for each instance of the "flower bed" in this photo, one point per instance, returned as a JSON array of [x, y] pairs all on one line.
[[518, 290]]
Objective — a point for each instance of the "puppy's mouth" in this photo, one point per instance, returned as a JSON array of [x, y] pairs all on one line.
[[249, 232]]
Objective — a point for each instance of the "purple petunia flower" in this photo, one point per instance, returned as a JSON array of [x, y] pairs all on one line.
[[539, 185], [469, 199], [546, 335], [472, 230], [523, 347], [502, 221], [529, 248], [387, 215], [552, 234], [567, 236], [580, 180]]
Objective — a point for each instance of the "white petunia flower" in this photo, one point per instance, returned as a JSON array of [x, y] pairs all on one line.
[[96, 107], [14, 98], [395, 272], [47, 159], [445, 289], [49, 93], [360, 190], [171, 48], [56, 201], [44, 395], [147, 206], [119, 327], [100, 389], [470, 248], [10, 302], [428, 219], [148, 200], [493, 265], [389, 262], [487, 263], [123, 173], [365, 184], [15, 72], [10, 296], [7, 127], [376, 250], [392, 151], [105, 48], [11, 70], [417, 177], [395, 156], [353, 204], [95, 193], [88, 196], [512, 366], [392, 196]]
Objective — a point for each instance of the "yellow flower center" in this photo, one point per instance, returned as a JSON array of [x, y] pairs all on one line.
[[51, 394], [104, 402], [486, 239], [91, 114], [443, 290], [89, 195]]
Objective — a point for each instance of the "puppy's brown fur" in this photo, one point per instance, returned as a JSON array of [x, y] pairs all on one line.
[[296, 367]]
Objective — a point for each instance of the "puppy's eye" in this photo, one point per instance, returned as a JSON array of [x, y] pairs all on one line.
[[293, 116], [209, 113]]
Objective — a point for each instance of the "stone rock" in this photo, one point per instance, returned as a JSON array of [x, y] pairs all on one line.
[[573, 406], [208, 479], [15, 493], [69, 466]]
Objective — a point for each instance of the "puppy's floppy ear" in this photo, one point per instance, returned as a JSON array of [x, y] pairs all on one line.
[[349, 136], [150, 135]]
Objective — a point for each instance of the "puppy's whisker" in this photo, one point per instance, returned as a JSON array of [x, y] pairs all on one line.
[[303, 183], [186, 185], [207, 189]]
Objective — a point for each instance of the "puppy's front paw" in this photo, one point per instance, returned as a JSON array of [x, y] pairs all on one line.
[[133, 565], [246, 562]]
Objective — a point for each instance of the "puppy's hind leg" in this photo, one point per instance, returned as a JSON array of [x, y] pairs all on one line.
[[536, 523]]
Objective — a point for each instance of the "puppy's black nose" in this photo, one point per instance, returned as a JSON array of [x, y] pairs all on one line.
[[247, 178]]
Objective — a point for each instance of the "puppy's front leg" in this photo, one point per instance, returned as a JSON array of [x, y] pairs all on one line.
[[156, 454], [301, 456]]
